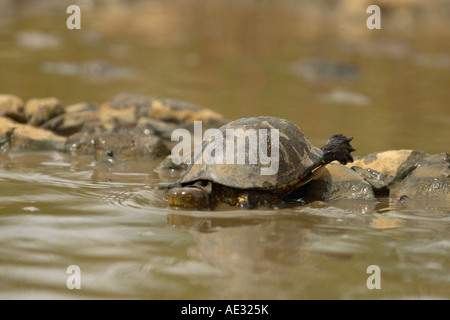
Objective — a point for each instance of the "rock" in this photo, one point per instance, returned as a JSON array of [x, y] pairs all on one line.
[[83, 142], [125, 108], [40, 110], [335, 182], [11, 106], [73, 119], [395, 163], [178, 111], [406, 173], [71, 122], [164, 115], [380, 182], [26, 137], [429, 179], [125, 116], [80, 107], [79, 144], [319, 70], [158, 127], [115, 147], [125, 99], [6, 141]]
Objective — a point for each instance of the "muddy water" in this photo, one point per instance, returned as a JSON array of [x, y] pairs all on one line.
[[316, 66], [58, 211]]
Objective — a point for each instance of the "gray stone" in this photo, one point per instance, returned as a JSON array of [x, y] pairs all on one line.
[[115, 147], [429, 179]]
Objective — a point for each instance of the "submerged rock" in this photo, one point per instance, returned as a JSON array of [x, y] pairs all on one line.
[[318, 70], [341, 96], [80, 144]]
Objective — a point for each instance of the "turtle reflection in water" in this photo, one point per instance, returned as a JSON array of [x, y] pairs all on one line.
[[203, 185]]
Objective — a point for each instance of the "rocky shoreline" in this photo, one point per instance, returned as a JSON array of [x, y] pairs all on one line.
[[138, 127]]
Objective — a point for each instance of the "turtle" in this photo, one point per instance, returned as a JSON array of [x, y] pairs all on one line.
[[204, 184]]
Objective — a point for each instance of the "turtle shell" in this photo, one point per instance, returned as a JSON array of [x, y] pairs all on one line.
[[296, 156]]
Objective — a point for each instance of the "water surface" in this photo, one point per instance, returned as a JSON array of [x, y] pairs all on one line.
[[58, 211]]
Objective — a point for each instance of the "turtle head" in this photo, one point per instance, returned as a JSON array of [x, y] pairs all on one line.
[[188, 197], [338, 148]]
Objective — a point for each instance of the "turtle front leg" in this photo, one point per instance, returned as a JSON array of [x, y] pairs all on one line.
[[254, 199], [244, 202]]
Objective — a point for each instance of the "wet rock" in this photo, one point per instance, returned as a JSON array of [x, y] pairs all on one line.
[[380, 182], [429, 179], [409, 173], [40, 110], [397, 163], [335, 182], [11, 106], [80, 143], [115, 147], [26, 137]]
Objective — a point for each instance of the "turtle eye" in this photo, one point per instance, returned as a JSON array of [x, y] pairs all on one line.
[[188, 197]]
